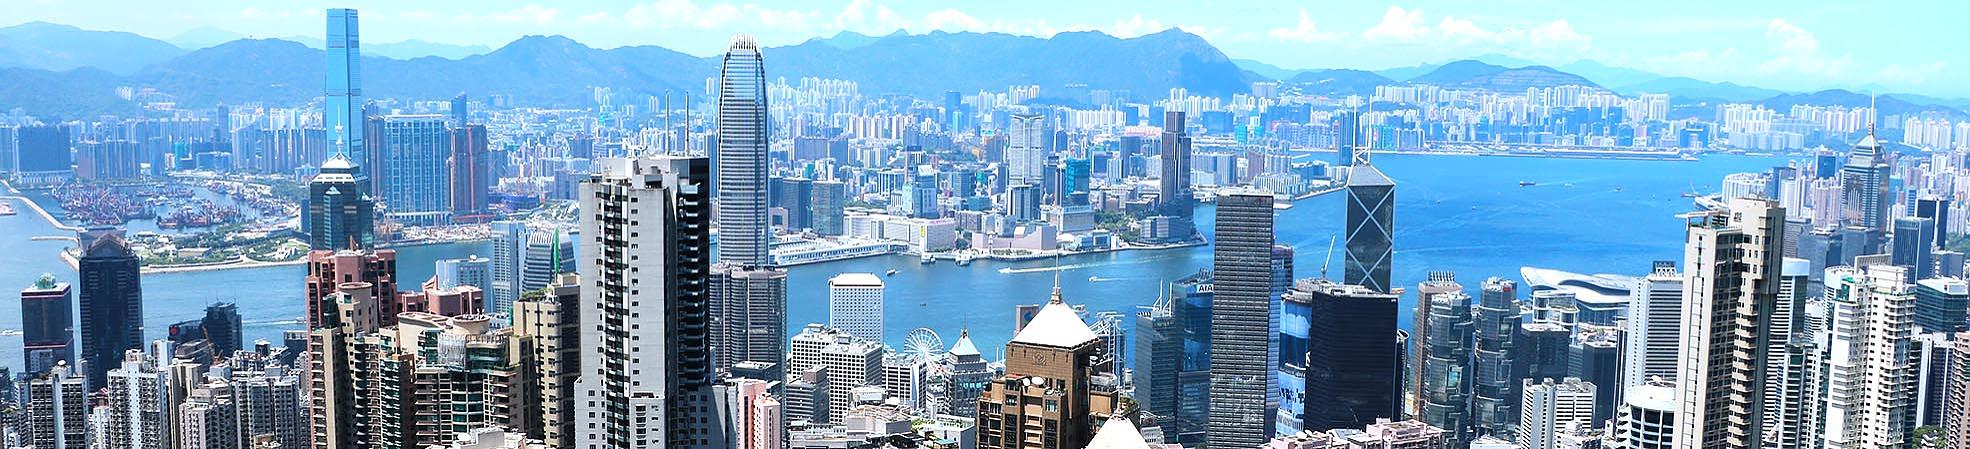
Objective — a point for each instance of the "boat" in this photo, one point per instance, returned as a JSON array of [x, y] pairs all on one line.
[[963, 259], [1527, 183], [6, 209], [927, 259], [891, 272]]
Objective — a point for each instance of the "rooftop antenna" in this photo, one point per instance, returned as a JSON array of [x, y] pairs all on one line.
[[1873, 113], [1330, 255], [1056, 281]]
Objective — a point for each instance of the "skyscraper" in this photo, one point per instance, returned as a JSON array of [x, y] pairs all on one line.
[[1026, 149], [415, 182], [845, 361], [749, 315], [1370, 228], [342, 113], [1912, 246], [1353, 373], [1730, 291], [340, 213], [1346, 128], [551, 317], [1942, 305], [112, 301], [342, 368], [646, 362], [1655, 313], [138, 412], [222, 328], [1443, 366], [469, 169], [1956, 414], [855, 305], [743, 234], [47, 325], [1178, 202], [1864, 191], [526, 256], [1241, 266], [1870, 392], [1494, 404], [1552, 407], [56, 406]]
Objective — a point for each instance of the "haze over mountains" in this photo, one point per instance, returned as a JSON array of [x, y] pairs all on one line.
[[51, 69]]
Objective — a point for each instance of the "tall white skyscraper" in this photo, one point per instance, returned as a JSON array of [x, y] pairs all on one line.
[[1871, 377], [1548, 408], [743, 234], [1732, 255], [1026, 149], [847, 362], [855, 305], [647, 373], [1655, 313]]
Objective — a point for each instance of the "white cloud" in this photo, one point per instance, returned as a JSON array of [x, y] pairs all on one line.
[[1398, 25], [597, 17], [1466, 32], [1305, 31], [1799, 52], [1910, 74], [674, 14], [1134, 26], [952, 20]]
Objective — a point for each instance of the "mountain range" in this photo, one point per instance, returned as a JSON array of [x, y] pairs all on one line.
[[51, 69]]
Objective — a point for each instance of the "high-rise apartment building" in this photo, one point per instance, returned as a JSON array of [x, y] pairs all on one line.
[[1655, 314], [415, 182], [749, 315], [855, 305], [743, 234], [47, 325], [112, 297], [340, 213], [1552, 408], [1871, 377], [1241, 267], [341, 366], [440, 375], [1956, 411], [328, 271], [1494, 402], [1353, 372], [207, 420], [1730, 290], [551, 318], [1052, 394], [1026, 148], [56, 409], [342, 113], [139, 405], [754, 414], [847, 362], [646, 359], [1370, 229]]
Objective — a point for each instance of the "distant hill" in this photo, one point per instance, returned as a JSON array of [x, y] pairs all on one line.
[[203, 37], [1681, 88], [1340, 82], [1607, 75], [53, 47], [412, 49], [557, 71], [78, 93], [1268, 71], [1475, 74]]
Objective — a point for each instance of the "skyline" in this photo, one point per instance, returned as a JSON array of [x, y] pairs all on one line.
[[1802, 49]]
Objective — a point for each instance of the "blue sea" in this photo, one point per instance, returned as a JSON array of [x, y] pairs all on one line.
[[1463, 214]]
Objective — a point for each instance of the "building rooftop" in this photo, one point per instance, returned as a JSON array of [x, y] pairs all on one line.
[[964, 346], [1056, 325], [1366, 175], [855, 279], [1118, 433]]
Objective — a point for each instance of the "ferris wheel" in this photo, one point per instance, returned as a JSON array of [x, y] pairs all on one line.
[[923, 344]]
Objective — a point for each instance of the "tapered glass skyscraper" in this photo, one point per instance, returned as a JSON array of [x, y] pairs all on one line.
[[743, 235], [343, 102], [1370, 228]]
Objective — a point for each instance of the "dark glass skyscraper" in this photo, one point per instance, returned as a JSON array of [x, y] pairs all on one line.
[[343, 111], [47, 325], [1174, 184], [1241, 269], [1352, 355], [743, 234], [221, 325], [1911, 246], [112, 301], [1370, 228], [469, 167], [340, 213], [1494, 391]]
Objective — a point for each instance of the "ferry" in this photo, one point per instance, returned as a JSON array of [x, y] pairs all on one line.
[[1527, 183], [6, 209], [926, 258], [891, 272], [963, 259]]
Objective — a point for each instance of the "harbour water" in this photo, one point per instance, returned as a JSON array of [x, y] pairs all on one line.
[[1464, 214]]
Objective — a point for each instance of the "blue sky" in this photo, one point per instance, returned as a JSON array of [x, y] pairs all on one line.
[[1910, 46]]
